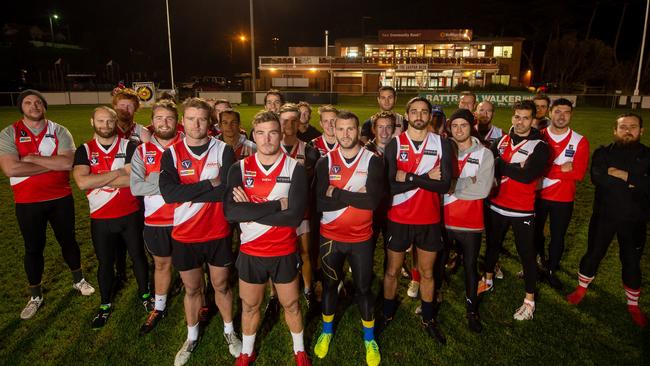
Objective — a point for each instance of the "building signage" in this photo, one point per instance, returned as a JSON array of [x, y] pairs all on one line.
[[411, 67], [498, 99], [424, 35]]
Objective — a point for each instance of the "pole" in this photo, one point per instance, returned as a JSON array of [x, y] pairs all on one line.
[[253, 76], [327, 35], [51, 29], [169, 41], [638, 76]]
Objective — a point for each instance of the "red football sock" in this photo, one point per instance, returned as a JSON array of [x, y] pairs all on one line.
[[577, 295], [415, 274], [637, 316]]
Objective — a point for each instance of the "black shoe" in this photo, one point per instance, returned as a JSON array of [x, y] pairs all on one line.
[[553, 281], [148, 302], [431, 327], [474, 322], [101, 318], [152, 320]]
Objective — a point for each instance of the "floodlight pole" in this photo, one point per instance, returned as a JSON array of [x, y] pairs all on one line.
[[638, 76], [253, 76], [169, 41]]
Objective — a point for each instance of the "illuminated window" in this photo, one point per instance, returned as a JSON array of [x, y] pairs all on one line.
[[503, 51], [353, 52], [501, 79]]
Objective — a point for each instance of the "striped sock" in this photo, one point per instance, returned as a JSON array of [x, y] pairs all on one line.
[[368, 330], [584, 281], [328, 324], [632, 296]]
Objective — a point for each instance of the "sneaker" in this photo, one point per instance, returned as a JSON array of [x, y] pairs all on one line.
[[405, 273], [234, 343], [152, 320], [323, 345], [553, 281], [637, 316], [373, 358], [244, 359], [498, 273], [418, 310], [32, 306], [520, 274], [431, 327], [183, 354], [484, 287], [413, 290], [84, 287], [525, 312], [302, 359], [474, 322], [102, 317], [149, 303]]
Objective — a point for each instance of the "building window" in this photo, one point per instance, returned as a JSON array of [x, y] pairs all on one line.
[[503, 51], [350, 52], [501, 79]]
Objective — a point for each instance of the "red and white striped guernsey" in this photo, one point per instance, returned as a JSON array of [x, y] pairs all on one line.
[[45, 186], [573, 148], [297, 151], [109, 202], [156, 211], [462, 214], [321, 145], [417, 206], [134, 133], [244, 148], [263, 185], [512, 195], [495, 133], [196, 222], [349, 224]]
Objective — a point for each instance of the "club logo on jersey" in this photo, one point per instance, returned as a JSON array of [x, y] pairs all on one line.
[[151, 159], [94, 160], [23, 133], [25, 139], [430, 152], [186, 163], [404, 156], [283, 180], [249, 182], [569, 152], [336, 169]]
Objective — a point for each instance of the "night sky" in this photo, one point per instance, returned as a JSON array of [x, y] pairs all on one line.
[[135, 31]]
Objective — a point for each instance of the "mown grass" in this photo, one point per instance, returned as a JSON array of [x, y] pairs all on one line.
[[598, 331]]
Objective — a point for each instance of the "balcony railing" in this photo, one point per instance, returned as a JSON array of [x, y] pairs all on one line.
[[372, 62]]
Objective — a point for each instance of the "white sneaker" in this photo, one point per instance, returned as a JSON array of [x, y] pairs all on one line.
[[234, 343], [183, 354], [84, 287], [525, 312], [413, 290], [498, 273], [405, 274], [418, 310], [32, 306]]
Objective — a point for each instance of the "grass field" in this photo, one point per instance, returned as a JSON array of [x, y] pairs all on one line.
[[598, 331]]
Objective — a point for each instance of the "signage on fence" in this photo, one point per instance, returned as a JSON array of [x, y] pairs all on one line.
[[146, 92], [498, 99], [411, 67]]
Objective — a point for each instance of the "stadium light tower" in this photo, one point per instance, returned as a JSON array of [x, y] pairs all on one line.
[[253, 76], [169, 41], [55, 17], [638, 76]]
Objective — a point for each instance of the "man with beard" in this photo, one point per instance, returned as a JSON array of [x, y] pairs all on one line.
[[542, 102], [419, 169], [192, 175], [307, 157], [327, 141], [621, 173], [569, 159], [463, 205], [520, 161], [126, 103], [486, 130], [349, 187], [267, 196], [36, 154], [101, 168], [306, 132], [229, 124], [158, 215], [386, 98]]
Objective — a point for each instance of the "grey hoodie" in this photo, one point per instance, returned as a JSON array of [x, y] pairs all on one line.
[[468, 190]]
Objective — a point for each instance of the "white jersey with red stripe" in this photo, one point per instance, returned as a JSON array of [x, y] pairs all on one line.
[[244, 147], [297, 151], [466, 215], [349, 224], [321, 145], [262, 185], [156, 211], [45, 186], [417, 206], [108, 202], [196, 222], [514, 198], [552, 186]]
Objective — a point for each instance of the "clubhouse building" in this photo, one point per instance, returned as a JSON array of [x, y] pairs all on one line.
[[407, 59]]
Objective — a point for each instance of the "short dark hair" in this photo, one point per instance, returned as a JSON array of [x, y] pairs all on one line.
[[223, 101], [384, 114], [562, 101], [289, 107], [524, 105], [231, 112], [343, 114], [629, 114], [418, 99], [167, 104], [265, 116], [544, 97], [275, 92], [389, 88], [469, 94]]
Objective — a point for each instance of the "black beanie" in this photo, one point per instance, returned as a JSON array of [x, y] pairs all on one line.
[[464, 114], [27, 92]]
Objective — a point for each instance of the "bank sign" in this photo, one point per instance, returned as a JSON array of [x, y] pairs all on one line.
[[498, 99]]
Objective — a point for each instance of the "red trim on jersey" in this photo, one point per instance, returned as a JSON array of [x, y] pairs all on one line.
[[557, 185], [156, 211]]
